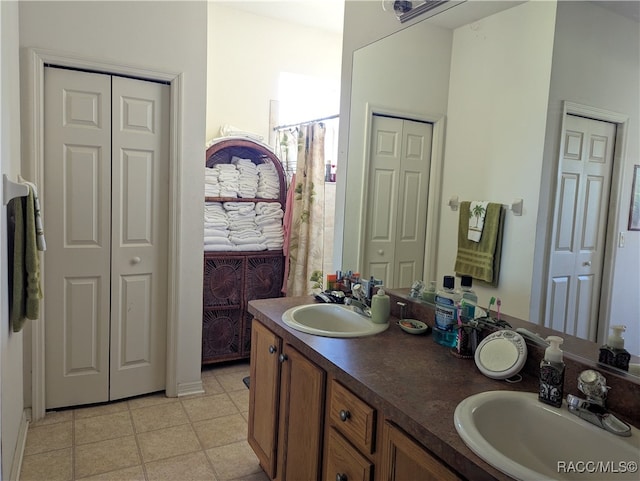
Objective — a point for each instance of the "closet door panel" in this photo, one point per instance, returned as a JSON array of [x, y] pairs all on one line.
[[139, 236], [77, 212]]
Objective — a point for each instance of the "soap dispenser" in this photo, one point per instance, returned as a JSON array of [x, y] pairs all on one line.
[[380, 307], [552, 373], [613, 352]]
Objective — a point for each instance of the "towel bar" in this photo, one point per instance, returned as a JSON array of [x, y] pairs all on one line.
[[515, 206], [11, 190]]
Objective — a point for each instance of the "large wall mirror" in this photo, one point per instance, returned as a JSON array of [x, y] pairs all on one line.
[[498, 92]]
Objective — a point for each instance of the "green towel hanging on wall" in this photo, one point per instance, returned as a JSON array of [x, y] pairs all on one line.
[[24, 275], [481, 260]]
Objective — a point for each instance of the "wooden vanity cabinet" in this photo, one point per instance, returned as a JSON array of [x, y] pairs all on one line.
[[403, 459], [286, 408]]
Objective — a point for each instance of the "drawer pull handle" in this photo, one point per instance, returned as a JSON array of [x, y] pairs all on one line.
[[283, 357], [344, 415], [272, 349], [341, 477]]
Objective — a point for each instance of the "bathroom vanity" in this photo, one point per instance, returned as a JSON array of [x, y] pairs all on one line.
[[369, 408]]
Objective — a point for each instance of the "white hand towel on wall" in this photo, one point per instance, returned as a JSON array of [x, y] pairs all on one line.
[[477, 211]]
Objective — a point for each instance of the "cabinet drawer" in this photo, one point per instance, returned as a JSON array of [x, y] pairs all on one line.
[[353, 417], [345, 462]]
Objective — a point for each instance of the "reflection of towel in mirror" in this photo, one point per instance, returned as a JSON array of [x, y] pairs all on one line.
[[477, 212], [481, 260]]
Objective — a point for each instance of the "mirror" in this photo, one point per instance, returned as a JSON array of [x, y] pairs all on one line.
[[499, 83]]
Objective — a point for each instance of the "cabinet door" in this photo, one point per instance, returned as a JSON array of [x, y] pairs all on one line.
[[264, 390], [344, 462], [405, 460], [302, 397]]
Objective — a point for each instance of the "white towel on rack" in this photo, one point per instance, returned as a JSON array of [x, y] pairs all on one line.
[[477, 211]]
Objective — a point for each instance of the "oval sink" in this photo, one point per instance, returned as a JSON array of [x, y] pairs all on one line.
[[331, 320], [529, 440]]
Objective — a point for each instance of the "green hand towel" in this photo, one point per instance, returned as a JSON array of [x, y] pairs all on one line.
[[25, 278], [481, 260]]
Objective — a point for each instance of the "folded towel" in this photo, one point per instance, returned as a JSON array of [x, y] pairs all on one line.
[[477, 212], [481, 260], [223, 241]]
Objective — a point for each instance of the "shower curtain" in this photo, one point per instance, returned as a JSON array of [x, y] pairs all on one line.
[[305, 249]]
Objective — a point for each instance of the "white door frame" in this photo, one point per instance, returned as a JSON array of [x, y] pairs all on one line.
[[435, 180], [615, 205], [33, 166]]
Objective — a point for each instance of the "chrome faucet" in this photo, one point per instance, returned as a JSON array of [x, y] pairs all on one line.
[[358, 301], [358, 306], [594, 386]]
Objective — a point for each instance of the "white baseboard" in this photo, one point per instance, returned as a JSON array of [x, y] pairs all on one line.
[[16, 465], [188, 388]]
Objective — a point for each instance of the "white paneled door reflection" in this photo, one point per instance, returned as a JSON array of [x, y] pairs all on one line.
[[580, 224], [397, 192], [105, 208]]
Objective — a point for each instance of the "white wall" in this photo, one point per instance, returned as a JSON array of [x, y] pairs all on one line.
[[162, 36], [247, 52], [11, 400], [596, 62], [498, 94]]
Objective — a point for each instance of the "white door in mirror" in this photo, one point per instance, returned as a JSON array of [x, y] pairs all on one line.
[[501, 355]]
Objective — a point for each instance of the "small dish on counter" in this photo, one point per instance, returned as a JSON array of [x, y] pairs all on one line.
[[412, 326]]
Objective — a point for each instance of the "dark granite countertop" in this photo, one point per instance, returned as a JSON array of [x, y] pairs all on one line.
[[409, 379]]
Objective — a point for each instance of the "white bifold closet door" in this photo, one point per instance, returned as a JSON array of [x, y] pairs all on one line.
[[398, 190], [105, 196]]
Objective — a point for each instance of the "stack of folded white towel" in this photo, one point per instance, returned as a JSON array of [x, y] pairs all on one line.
[[216, 227], [268, 181], [248, 182], [228, 177], [269, 219], [243, 230], [211, 184], [243, 226]]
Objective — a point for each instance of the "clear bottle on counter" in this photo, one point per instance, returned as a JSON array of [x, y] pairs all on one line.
[[429, 293], [469, 297], [445, 332]]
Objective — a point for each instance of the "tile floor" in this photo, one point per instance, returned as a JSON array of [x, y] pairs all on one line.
[[150, 438]]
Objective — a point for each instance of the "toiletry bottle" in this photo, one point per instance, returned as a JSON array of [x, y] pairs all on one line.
[[552, 373], [469, 297], [429, 293], [613, 352], [380, 307], [445, 331]]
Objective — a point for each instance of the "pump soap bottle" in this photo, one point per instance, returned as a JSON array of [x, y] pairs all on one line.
[[380, 307], [613, 352], [552, 373]]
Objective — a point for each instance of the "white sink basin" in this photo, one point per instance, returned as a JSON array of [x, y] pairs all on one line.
[[331, 320], [529, 440]]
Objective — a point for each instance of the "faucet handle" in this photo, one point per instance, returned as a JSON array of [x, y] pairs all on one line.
[[593, 385]]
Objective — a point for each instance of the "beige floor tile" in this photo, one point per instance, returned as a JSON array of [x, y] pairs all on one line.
[[53, 417], [232, 381], [101, 410], [211, 385], [233, 461], [209, 407], [41, 439], [158, 417], [105, 456], [242, 366], [164, 443], [52, 466], [241, 400], [187, 467], [151, 400], [221, 431], [134, 473], [261, 476], [100, 428]]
